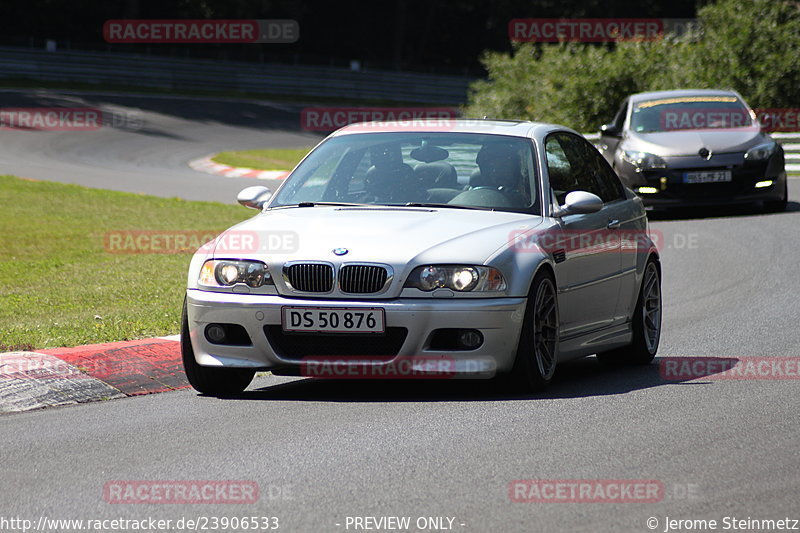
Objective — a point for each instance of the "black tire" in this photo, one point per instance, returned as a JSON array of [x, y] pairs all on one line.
[[537, 351], [210, 380], [778, 206], [644, 345]]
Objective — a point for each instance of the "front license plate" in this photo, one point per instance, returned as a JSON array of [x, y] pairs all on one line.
[[714, 176], [333, 319]]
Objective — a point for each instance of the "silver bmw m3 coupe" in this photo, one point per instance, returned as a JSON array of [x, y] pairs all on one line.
[[438, 249]]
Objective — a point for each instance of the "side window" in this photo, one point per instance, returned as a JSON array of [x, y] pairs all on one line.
[[606, 182], [559, 169], [619, 119], [575, 165], [567, 166]]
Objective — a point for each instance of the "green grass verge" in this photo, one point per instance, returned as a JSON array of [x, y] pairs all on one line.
[[265, 159], [56, 276]]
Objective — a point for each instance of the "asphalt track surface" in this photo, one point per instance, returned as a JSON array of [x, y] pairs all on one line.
[[321, 451], [146, 142]]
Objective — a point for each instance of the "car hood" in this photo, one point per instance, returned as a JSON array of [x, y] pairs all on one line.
[[689, 142], [396, 236]]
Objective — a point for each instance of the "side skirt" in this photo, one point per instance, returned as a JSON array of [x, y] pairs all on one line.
[[595, 341]]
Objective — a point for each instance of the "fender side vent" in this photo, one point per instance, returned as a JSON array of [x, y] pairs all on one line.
[[559, 256]]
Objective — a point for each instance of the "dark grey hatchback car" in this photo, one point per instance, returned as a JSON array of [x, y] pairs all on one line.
[[694, 147]]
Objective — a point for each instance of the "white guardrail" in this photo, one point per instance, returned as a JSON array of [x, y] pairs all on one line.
[[789, 141], [176, 73], [266, 78], [791, 147]]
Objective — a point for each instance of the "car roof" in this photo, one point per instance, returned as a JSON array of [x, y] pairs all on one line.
[[653, 95], [515, 128]]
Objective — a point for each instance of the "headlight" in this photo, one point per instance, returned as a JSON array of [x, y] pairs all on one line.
[[760, 152], [227, 272], [643, 160], [461, 278]]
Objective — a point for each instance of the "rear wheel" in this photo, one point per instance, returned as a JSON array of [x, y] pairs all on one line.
[[535, 363], [210, 380], [646, 323]]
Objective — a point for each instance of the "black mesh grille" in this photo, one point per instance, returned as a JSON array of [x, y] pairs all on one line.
[[362, 279], [310, 277], [299, 345]]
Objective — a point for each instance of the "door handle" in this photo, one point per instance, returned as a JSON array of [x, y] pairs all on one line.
[[613, 224]]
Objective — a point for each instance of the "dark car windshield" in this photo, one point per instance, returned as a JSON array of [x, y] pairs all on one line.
[[399, 168], [690, 113]]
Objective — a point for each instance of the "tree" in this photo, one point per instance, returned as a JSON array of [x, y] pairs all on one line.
[[752, 47]]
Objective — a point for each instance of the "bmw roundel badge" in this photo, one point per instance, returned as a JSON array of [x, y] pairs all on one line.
[[340, 251]]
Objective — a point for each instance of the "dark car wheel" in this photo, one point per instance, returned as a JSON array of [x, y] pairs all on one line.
[[646, 323], [778, 206], [537, 351], [209, 380]]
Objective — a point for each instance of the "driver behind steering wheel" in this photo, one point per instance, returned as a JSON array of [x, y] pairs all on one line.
[[501, 169]]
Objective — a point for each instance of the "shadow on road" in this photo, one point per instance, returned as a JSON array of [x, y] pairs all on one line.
[[575, 379]]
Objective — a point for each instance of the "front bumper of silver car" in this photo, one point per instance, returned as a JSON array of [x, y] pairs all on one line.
[[413, 333]]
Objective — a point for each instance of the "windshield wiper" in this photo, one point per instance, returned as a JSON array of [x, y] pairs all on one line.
[[452, 206], [314, 204], [409, 204]]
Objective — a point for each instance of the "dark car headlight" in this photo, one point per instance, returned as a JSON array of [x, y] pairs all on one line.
[[460, 278], [761, 152], [643, 160], [229, 272]]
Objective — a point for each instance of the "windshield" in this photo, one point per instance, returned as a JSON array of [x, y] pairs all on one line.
[[690, 113], [448, 169]]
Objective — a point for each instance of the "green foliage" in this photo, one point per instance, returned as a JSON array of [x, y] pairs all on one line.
[[752, 47]]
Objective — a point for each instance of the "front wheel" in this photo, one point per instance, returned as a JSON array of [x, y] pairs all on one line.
[[537, 351], [646, 323], [210, 380]]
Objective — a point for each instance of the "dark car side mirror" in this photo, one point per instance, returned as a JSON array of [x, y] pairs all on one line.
[[610, 130]]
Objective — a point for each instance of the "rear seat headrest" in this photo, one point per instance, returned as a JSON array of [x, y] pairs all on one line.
[[427, 153]]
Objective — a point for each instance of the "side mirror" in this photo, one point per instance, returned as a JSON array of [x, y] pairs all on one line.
[[579, 203], [254, 197], [609, 130]]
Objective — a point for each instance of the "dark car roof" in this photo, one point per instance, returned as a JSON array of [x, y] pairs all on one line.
[[652, 95]]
